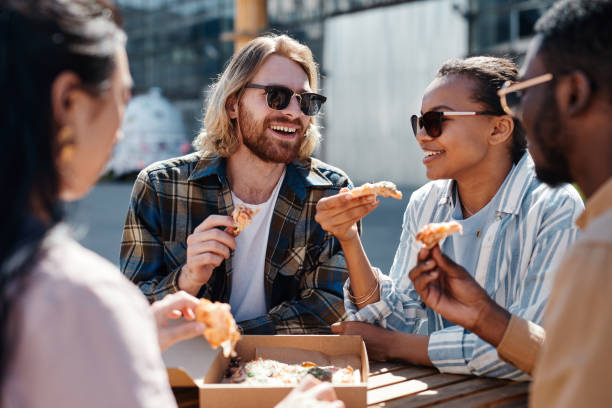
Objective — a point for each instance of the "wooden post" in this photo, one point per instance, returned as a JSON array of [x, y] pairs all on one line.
[[250, 20]]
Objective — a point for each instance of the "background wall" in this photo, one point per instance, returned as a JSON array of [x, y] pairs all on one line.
[[376, 67]]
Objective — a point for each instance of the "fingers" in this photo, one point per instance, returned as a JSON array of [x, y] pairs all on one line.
[[359, 328], [420, 268], [209, 246], [447, 264], [333, 202], [424, 253], [423, 281], [311, 393], [340, 203], [200, 262], [345, 216], [175, 305], [323, 392], [213, 221], [213, 235], [337, 328], [176, 333], [307, 383]]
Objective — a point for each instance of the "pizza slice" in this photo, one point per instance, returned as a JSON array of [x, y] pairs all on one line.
[[242, 216], [433, 233], [382, 188], [221, 329]]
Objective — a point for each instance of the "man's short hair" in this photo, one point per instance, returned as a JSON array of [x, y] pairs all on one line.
[[218, 133], [577, 35]]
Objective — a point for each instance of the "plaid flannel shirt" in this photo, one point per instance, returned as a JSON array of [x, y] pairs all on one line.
[[304, 269]]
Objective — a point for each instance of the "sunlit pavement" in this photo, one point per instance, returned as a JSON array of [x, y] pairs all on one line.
[[98, 223]]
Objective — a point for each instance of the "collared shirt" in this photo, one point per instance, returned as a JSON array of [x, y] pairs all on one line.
[[573, 367], [305, 266], [523, 340], [532, 229]]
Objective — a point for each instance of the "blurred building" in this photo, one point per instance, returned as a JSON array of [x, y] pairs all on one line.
[[502, 27], [376, 58]]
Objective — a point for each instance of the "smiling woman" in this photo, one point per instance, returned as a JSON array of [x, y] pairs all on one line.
[[514, 227]]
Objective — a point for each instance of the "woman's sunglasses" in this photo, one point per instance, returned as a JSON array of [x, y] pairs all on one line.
[[279, 97], [432, 121], [511, 94]]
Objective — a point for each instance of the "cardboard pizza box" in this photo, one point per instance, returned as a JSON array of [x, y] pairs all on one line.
[[193, 363]]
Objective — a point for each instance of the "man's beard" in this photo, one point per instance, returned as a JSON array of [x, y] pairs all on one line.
[[551, 139], [264, 147]]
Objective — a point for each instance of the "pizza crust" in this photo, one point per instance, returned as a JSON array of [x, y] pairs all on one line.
[[433, 233], [381, 188], [221, 329]]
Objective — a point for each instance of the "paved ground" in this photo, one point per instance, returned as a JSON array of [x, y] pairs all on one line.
[[98, 221]]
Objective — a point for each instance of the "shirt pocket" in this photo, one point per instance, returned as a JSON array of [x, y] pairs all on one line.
[[175, 254]]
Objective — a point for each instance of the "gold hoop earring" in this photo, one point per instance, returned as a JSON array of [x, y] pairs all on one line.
[[66, 143]]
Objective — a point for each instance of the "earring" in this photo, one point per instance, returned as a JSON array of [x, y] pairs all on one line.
[[66, 143]]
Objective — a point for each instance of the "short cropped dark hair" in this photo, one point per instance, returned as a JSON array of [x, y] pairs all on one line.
[[489, 75], [577, 35]]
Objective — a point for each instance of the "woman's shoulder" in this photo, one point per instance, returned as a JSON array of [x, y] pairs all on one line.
[[435, 190], [72, 273]]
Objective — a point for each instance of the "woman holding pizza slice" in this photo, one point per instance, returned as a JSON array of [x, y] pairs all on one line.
[[514, 227]]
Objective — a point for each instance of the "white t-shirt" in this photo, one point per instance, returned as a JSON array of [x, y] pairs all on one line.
[[247, 297]]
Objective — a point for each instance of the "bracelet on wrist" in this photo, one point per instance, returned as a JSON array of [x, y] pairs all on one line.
[[359, 300]]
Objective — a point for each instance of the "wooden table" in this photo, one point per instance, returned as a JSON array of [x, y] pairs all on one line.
[[402, 385]]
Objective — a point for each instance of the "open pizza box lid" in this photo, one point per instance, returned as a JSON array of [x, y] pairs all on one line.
[[193, 363]]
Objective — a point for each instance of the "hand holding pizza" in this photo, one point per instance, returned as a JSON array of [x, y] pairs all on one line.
[[339, 214], [172, 307], [450, 290], [207, 247]]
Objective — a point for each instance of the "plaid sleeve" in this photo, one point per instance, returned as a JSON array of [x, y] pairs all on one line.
[[142, 250], [319, 303]]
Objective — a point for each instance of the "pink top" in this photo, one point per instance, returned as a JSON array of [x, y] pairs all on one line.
[[86, 337]]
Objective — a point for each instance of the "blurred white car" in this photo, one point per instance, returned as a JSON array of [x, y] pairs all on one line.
[[153, 130]]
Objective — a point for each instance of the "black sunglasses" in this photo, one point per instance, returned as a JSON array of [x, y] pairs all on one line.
[[432, 121], [279, 97]]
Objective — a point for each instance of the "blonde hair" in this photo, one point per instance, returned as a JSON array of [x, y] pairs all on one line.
[[218, 135]]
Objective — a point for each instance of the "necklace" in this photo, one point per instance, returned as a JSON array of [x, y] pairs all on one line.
[[469, 214]]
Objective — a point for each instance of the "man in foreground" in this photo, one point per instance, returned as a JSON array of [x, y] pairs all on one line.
[[283, 273], [565, 103]]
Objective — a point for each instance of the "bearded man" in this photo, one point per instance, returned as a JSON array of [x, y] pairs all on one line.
[[283, 274]]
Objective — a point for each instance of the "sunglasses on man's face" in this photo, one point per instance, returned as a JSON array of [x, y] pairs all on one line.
[[279, 97], [432, 121], [511, 93]]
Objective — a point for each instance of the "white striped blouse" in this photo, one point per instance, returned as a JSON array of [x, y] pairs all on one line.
[[532, 228]]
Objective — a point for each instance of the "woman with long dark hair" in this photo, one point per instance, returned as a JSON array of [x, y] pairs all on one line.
[[515, 228], [73, 331]]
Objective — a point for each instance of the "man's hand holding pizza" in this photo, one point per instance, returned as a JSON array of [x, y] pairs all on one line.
[[207, 247], [450, 290]]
